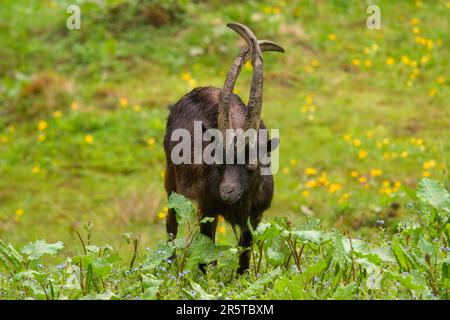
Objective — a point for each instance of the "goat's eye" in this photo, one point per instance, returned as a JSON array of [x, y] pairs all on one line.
[[251, 167]]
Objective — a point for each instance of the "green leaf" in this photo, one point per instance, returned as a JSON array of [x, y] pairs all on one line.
[[313, 236], [434, 194], [277, 251], [257, 287], [339, 253], [184, 209], [202, 250], [151, 285], [10, 259], [157, 256], [203, 294], [37, 249], [344, 293]]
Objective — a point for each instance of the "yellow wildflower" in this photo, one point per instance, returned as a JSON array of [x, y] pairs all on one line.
[[310, 171], [41, 137], [57, 114], [429, 164], [344, 198], [305, 193], [36, 169], [123, 102], [424, 59], [404, 154], [414, 21], [89, 139], [357, 142], [186, 76], [362, 154], [362, 179], [151, 141], [311, 184], [42, 125], [390, 61], [440, 80], [405, 60], [375, 172], [162, 215], [74, 105], [347, 137], [248, 65], [354, 174], [334, 187], [137, 108], [332, 37], [356, 62], [425, 174], [4, 139], [19, 214], [293, 162], [368, 63]]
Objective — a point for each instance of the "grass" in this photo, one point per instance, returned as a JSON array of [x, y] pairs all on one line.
[[102, 94]]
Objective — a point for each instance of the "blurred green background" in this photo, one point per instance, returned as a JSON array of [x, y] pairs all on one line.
[[363, 114]]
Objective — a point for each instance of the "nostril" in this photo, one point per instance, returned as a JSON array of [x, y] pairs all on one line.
[[227, 189]]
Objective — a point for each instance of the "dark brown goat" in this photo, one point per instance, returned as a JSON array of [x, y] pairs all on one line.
[[238, 192]]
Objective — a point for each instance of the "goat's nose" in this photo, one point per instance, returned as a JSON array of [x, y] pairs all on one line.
[[227, 189]]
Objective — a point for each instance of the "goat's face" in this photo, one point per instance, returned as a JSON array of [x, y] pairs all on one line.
[[237, 180]]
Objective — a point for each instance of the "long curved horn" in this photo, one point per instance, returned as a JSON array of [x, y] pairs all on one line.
[[235, 69], [255, 99]]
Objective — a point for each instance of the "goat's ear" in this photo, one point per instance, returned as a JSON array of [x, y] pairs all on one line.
[[272, 144]]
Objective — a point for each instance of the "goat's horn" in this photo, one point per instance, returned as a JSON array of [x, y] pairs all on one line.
[[235, 69], [255, 99]]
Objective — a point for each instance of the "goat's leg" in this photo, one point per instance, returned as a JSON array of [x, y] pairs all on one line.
[[245, 241], [171, 224], [170, 186]]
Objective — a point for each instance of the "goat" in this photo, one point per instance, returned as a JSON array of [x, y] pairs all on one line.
[[238, 192]]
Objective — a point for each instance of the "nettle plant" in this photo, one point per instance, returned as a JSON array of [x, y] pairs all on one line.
[[287, 262]]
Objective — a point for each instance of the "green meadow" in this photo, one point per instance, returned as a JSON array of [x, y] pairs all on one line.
[[363, 117]]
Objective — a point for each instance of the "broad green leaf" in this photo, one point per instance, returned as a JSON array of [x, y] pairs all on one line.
[[202, 250], [151, 285], [339, 253], [345, 293], [37, 249], [158, 255], [434, 194], [185, 210], [313, 236], [203, 294]]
